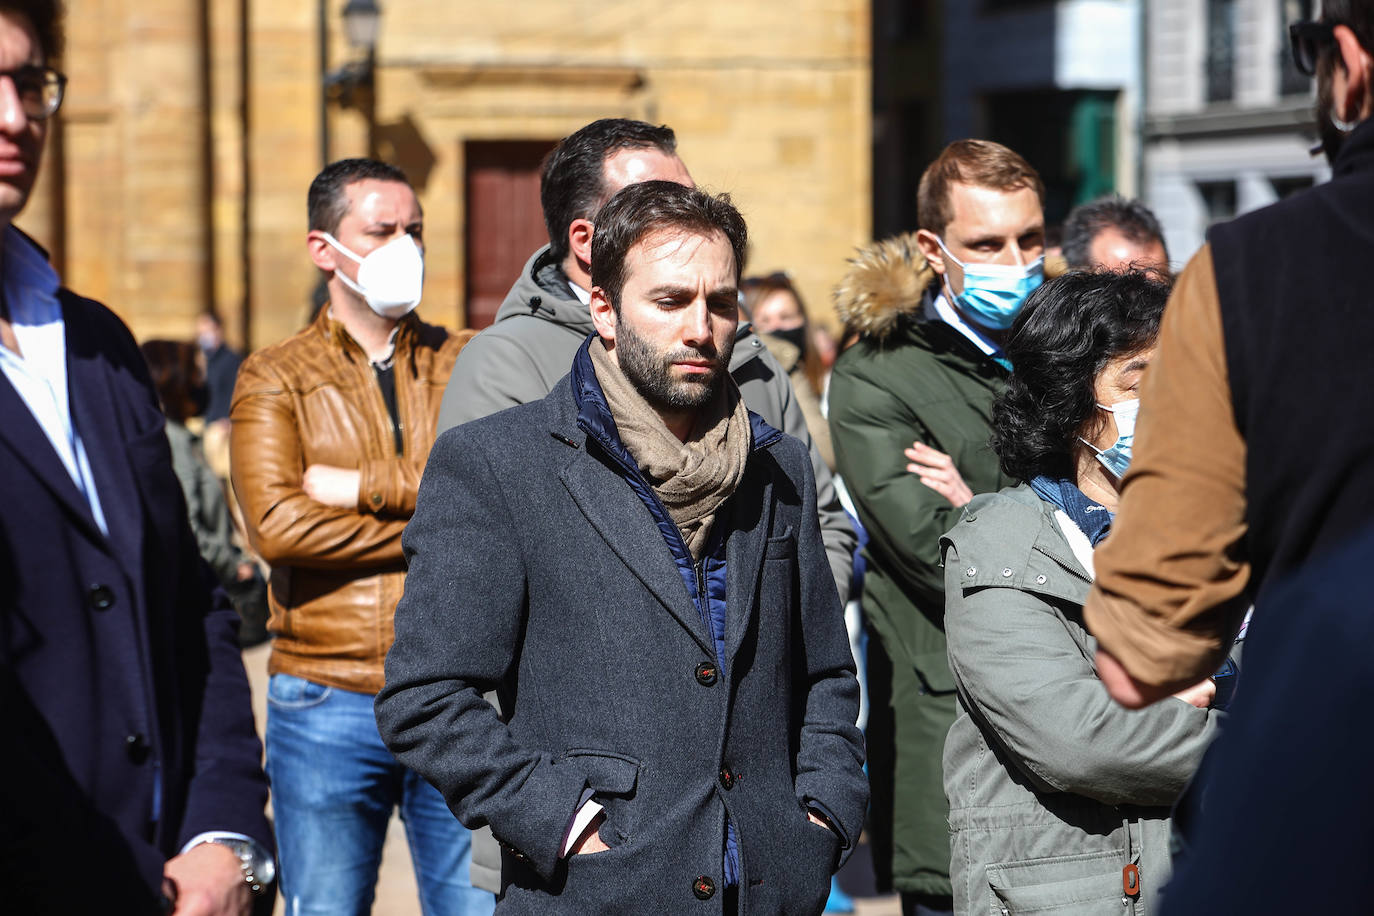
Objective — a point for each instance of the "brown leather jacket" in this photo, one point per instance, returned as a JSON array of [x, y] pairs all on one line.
[[336, 573]]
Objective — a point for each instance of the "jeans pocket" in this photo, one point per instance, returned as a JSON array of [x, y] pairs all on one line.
[[286, 691]]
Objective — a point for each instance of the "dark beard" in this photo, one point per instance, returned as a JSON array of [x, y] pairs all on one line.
[[651, 372]]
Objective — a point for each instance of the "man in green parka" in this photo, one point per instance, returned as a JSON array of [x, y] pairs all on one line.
[[910, 407]]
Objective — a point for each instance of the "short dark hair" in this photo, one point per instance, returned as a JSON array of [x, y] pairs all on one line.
[[327, 202], [572, 182], [46, 17], [980, 163], [658, 206], [177, 376], [1070, 328], [1131, 218], [1357, 15]]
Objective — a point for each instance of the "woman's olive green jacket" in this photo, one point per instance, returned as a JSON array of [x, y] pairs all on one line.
[[1054, 789]]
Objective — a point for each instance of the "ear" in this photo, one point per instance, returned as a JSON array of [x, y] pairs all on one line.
[[322, 254], [1358, 69], [930, 247], [603, 316], [580, 233]]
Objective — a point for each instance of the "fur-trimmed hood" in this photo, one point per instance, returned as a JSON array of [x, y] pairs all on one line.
[[887, 280]]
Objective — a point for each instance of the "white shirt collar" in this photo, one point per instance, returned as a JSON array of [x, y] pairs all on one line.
[[582, 295], [946, 313]]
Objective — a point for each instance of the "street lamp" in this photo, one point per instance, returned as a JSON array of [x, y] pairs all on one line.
[[362, 21]]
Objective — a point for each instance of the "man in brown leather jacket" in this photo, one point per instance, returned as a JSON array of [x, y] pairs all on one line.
[[331, 431]]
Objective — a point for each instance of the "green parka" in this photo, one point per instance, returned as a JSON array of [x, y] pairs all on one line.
[[1054, 789], [910, 377]]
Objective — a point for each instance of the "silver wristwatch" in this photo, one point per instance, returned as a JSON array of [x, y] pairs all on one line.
[[257, 867]]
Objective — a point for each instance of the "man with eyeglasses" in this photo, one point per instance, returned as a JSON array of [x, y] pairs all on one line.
[[130, 780], [1253, 473]]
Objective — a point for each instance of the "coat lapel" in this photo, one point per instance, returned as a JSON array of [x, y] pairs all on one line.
[[96, 416], [26, 439], [750, 520], [623, 522]]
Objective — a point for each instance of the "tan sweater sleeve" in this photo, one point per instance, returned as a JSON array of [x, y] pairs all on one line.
[[1168, 598]]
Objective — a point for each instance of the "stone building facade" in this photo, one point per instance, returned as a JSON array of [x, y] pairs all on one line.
[[1229, 120], [176, 176]]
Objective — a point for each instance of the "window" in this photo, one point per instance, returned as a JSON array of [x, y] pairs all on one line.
[[1291, 184], [997, 6], [1219, 199], [1221, 50], [1291, 82]]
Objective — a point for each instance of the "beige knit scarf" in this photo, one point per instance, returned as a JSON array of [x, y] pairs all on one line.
[[692, 478]]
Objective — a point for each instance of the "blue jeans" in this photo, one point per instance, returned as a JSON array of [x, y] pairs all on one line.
[[334, 786]]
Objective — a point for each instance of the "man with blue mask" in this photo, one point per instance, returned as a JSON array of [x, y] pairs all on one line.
[[331, 431], [909, 415]]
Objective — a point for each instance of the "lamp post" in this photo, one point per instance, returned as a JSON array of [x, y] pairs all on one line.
[[350, 84], [361, 19]]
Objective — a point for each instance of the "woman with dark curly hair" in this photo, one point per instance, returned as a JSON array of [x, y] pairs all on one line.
[[1059, 798]]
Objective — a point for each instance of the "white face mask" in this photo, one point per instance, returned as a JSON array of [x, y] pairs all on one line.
[[390, 278]]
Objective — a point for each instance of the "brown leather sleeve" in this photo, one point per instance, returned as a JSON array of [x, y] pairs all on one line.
[[1168, 598], [286, 527], [388, 487]]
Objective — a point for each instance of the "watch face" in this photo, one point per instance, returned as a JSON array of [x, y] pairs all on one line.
[[264, 868], [256, 864]]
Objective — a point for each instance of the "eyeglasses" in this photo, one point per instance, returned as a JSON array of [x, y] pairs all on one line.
[[1306, 39], [39, 89]]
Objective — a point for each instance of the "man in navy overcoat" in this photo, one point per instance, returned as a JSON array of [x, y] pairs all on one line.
[[130, 780]]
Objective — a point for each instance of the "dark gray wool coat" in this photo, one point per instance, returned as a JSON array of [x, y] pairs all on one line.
[[536, 569]]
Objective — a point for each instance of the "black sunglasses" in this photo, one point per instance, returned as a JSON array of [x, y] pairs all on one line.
[[39, 89], [1306, 39]]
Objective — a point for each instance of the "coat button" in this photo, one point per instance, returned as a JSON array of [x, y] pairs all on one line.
[[1006, 573], [707, 674], [703, 887], [971, 571], [1040, 580], [727, 779], [136, 746], [376, 498], [101, 597]]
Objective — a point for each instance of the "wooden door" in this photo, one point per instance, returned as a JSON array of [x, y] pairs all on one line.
[[505, 223]]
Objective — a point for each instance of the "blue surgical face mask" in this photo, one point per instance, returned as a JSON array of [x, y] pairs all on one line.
[[994, 293], [1117, 458]]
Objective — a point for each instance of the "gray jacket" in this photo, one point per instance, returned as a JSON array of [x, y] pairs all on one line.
[[531, 345], [205, 503], [610, 676], [1053, 788]]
